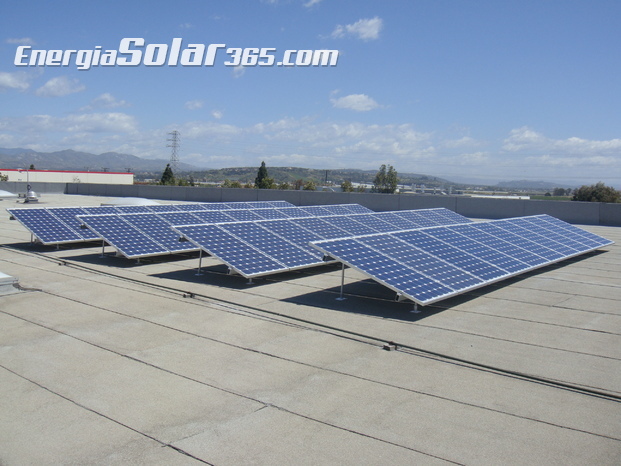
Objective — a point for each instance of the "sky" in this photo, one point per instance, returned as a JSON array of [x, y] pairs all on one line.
[[467, 90]]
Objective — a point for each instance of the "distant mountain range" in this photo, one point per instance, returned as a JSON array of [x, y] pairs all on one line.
[[83, 161], [527, 184], [153, 168]]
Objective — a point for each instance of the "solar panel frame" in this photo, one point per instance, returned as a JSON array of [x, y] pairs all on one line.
[[226, 247], [487, 245], [159, 230], [45, 227], [128, 240]]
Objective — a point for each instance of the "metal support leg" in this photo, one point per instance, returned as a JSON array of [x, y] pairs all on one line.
[[415, 310], [341, 297], [103, 246], [200, 261]]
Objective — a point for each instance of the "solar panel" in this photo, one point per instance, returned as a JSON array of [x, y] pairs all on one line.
[[280, 204], [243, 215], [271, 244], [124, 237], [435, 263], [350, 225], [209, 216], [321, 227], [181, 218], [239, 256], [132, 209], [45, 227], [68, 215], [271, 213], [158, 229], [163, 208]]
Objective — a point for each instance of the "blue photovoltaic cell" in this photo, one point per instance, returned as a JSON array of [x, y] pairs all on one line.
[[421, 220], [385, 269], [270, 244], [294, 212], [316, 211], [320, 227], [163, 208], [375, 221], [280, 204], [158, 229], [484, 253], [539, 254], [243, 215], [131, 209], [587, 238], [260, 205], [181, 218], [357, 209], [190, 207], [124, 237], [211, 216], [421, 261], [443, 250], [294, 233], [68, 215], [477, 232], [351, 226], [44, 226], [215, 206], [247, 260], [399, 223], [339, 209], [239, 205], [270, 213], [99, 210]]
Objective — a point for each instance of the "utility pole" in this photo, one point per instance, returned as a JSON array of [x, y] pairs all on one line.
[[175, 140]]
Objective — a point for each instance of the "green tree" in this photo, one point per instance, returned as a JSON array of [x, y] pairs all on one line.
[[310, 186], [386, 180], [263, 181], [32, 167], [168, 177], [597, 193], [347, 187], [284, 186]]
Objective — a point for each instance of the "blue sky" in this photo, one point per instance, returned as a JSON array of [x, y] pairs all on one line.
[[488, 90]]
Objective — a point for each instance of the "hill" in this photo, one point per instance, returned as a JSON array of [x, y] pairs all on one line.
[[83, 161]]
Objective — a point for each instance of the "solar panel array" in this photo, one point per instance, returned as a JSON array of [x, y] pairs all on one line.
[[432, 264], [136, 235], [58, 225], [256, 248]]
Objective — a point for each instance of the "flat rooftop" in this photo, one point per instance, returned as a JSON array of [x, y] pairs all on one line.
[[105, 360]]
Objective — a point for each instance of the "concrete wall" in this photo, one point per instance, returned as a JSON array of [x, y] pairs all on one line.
[[17, 187], [585, 213]]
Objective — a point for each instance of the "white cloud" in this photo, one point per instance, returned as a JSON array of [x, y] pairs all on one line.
[[526, 139], [364, 29], [105, 100], [194, 104], [21, 41], [311, 3], [217, 114], [239, 71], [60, 86], [18, 81], [357, 102]]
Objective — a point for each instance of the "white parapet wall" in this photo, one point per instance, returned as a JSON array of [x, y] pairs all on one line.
[[57, 176]]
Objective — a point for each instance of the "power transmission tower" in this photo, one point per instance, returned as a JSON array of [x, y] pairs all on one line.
[[174, 140]]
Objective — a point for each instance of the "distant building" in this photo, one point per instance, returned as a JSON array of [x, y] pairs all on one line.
[[58, 176]]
